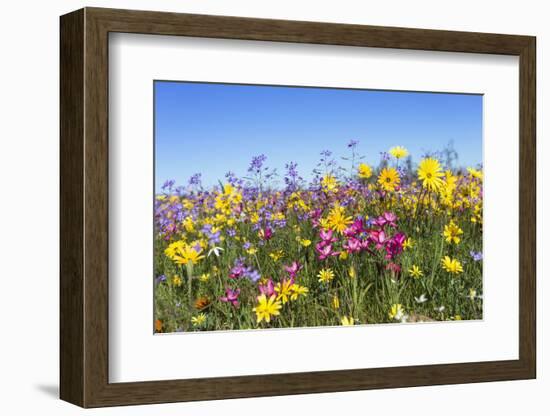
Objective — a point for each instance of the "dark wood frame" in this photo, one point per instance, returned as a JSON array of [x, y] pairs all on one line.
[[84, 207]]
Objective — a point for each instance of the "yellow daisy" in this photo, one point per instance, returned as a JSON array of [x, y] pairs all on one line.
[[416, 272], [399, 152], [388, 179], [450, 265], [452, 233], [199, 319], [266, 308], [364, 171], [337, 219], [325, 275], [430, 173]]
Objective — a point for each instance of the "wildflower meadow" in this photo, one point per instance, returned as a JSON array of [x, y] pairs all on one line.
[[355, 244]]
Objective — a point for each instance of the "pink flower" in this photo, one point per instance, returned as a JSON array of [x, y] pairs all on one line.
[[353, 245], [395, 268], [326, 236], [293, 269], [350, 232], [231, 296], [268, 289], [325, 250], [315, 215], [379, 238], [388, 218], [365, 245]]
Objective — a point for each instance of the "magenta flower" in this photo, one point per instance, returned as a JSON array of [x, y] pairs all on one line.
[[268, 289], [353, 245], [326, 236], [266, 233], [315, 215], [293, 269], [355, 228], [378, 237], [394, 245], [388, 218], [365, 245], [400, 238], [350, 231], [231, 296], [325, 250]]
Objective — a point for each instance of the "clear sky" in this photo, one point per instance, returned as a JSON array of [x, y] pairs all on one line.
[[214, 128]]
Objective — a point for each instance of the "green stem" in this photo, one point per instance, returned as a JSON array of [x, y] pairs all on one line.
[[189, 267]]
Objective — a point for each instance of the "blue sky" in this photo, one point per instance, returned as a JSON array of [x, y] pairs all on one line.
[[215, 128]]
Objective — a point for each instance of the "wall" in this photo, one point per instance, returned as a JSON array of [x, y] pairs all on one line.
[[29, 211]]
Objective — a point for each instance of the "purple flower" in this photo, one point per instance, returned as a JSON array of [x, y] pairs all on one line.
[[236, 272], [402, 170], [231, 296], [257, 163], [195, 180], [352, 144], [252, 274], [240, 270], [476, 255], [161, 278], [232, 179], [214, 238], [246, 245], [292, 178], [168, 184]]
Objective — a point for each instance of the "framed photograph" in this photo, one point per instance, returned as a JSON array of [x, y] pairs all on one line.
[[255, 207]]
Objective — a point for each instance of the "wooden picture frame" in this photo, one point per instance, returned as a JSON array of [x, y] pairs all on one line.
[[84, 207]]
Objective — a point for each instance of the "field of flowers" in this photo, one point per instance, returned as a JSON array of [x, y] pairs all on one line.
[[357, 244]]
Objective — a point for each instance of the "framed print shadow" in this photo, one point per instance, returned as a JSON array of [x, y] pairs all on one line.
[[254, 207]]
